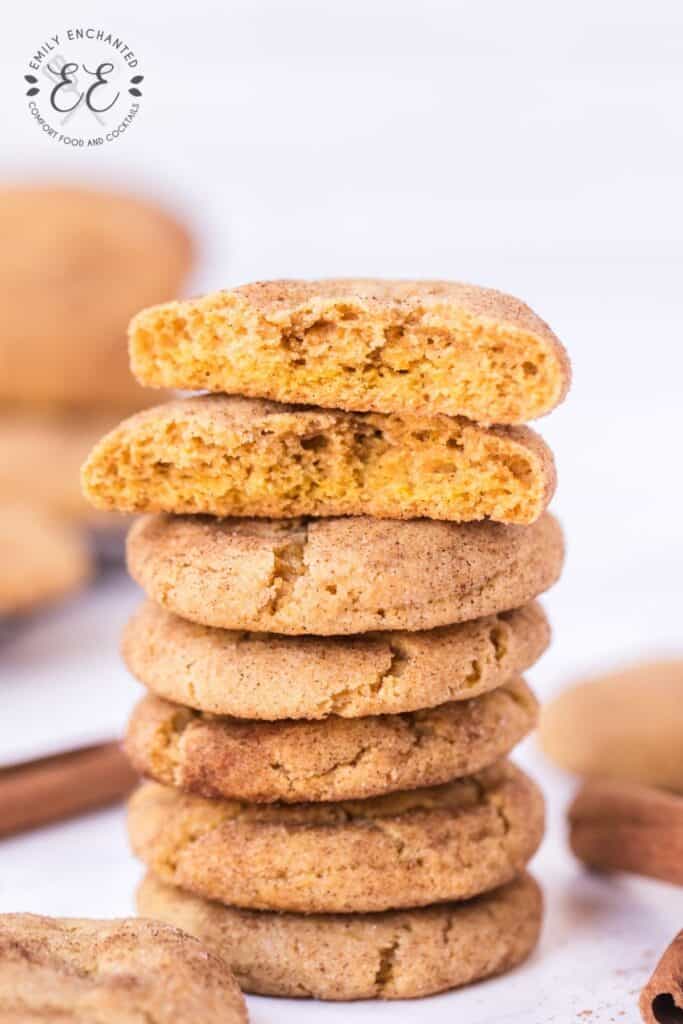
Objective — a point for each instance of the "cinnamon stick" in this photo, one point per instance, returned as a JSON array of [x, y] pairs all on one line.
[[55, 788], [624, 826], [661, 1001]]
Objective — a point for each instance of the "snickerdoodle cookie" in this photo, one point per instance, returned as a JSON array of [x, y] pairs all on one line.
[[76, 264], [42, 560], [388, 346], [336, 759], [390, 955], [226, 456], [268, 677], [625, 724], [340, 576], [405, 849], [111, 972]]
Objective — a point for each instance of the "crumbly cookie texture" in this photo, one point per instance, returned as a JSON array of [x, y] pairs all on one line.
[[337, 759], [391, 955], [339, 576], [597, 729], [232, 456], [111, 972], [369, 345], [75, 265], [405, 849], [42, 560]]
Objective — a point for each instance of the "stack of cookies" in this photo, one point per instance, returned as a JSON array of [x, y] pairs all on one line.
[[341, 601]]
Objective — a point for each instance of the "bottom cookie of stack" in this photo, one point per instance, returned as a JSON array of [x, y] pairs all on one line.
[[394, 896], [391, 955]]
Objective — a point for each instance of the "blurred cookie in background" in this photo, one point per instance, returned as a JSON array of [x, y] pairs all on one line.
[[42, 560], [75, 265], [41, 452], [624, 725]]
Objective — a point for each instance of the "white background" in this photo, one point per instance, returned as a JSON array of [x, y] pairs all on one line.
[[531, 146]]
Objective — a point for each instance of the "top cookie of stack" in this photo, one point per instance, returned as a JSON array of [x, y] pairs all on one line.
[[423, 347], [416, 367]]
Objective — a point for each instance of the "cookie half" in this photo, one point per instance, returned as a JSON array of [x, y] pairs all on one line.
[[338, 576], [108, 972], [268, 677], [336, 759], [42, 560], [226, 456], [390, 955], [387, 346], [407, 849], [75, 265]]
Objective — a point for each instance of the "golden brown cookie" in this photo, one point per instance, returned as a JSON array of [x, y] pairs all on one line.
[[111, 972], [267, 677], [389, 346], [337, 759], [42, 560], [76, 264], [340, 576], [60, 440], [406, 849], [623, 725], [390, 955], [232, 456]]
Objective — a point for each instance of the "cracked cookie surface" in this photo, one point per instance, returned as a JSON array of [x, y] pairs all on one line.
[[388, 346], [406, 849], [111, 972], [231, 456], [336, 759], [266, 677], [389, 955], [340, 576]]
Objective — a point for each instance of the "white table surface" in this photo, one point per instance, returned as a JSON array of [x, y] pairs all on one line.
[[534, 147]]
